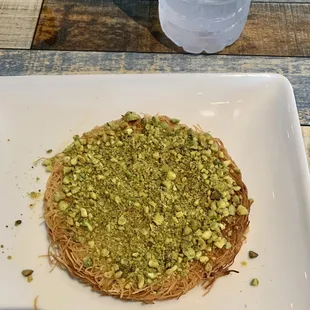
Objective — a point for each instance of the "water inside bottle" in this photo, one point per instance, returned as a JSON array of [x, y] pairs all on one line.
[[201, 25]]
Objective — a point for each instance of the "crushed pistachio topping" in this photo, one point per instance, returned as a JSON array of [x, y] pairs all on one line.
[[147, 197]]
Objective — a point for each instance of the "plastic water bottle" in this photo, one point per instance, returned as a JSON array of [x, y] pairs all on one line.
[[203, 25]]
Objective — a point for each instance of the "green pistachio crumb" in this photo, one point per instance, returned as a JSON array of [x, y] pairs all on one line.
[[156, 155], [105, 252], [175, 121], [87, 262], [63, 205], [74, 161], [18, 222], [171, 270], [140, 281], [252, 254], [237, 170], [194, 224], [228, 246], [179, 214], [153, 263], [49, 169], [206, 235], [171, 175], [204, 259], [47, 162], [255, 282], [130, 117], [109, 274], [34, 195], [151, 275], [158, 219], [88, 226], [118, 274], [83, 212], [189, 253], [122, 221], [91, 244], [59, 195], [220, 243], [93, 195], [66, 180], [241, 210], [27, 272], [187, 230], [167, 184], [232, 210], [70, 221], [216, 195], [208, 267]]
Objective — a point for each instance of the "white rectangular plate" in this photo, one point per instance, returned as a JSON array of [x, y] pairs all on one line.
[[254, 115]]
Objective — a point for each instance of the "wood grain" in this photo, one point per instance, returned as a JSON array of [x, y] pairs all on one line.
[[296, 69], [101, 25], [18, 19], [274, 29], [306, 136], [286, 1]]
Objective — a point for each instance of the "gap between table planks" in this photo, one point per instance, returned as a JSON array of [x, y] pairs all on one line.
[[296, 69], [273, 29]]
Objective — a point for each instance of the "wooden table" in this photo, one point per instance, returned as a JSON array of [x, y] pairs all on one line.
[[121, 36]]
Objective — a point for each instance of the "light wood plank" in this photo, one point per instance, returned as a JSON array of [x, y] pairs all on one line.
[[18, 19], [296, 69], [306, 135]]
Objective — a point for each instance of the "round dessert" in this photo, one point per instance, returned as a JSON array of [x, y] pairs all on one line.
[[144, 208]]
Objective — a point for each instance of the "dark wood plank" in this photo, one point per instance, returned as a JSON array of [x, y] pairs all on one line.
[[296, 69], [101, 25], [278, 29], [275, 29]]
